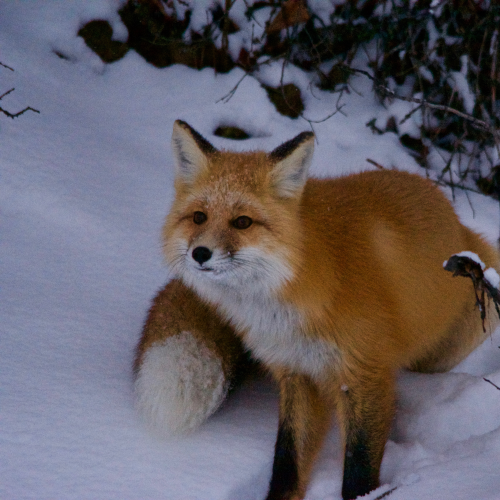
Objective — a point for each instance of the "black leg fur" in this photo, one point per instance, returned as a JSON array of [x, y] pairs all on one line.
[[285, 476], [360, 477]]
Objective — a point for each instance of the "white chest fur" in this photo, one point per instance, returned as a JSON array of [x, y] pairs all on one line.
[[273, 332]]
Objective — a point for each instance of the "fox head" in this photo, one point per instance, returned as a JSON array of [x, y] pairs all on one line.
[[234, 224]]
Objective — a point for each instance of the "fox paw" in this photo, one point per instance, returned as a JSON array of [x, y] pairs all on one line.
[[179, 384]]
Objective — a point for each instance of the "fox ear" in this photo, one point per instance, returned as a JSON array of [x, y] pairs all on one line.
[[291, 165], [190, 151]]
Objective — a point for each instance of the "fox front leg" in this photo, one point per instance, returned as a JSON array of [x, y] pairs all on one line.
[[303, 422], [366, 412]]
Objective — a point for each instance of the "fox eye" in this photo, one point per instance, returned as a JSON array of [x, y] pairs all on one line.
[[242, 222], [199, 217]]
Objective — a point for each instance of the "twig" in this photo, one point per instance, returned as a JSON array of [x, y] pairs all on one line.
[[478, 70], [6, 93], [493, 53], [410, 114], [5, 66], [226, 24], [251, 72], [386, 493], [490, 382], [230, 94], [378, 165], [337, 110], [452, 185], [470, 205]]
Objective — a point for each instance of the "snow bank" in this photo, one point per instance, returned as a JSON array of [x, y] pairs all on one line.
[[84, 187]]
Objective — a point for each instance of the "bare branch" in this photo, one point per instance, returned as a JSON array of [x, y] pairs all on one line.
[[19, 113], [460, 265], [476, 122]]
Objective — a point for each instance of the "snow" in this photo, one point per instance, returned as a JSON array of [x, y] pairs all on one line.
[[492, 276], [458, 81], [470, 255], [84, 187]]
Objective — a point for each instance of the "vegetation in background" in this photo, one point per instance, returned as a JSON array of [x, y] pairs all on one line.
[[441, 55]]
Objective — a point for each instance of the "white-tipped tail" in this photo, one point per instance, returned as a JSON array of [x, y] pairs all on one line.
[[180, 383]]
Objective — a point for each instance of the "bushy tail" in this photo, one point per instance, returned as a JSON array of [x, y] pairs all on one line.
[[179, 384], [186, 361]]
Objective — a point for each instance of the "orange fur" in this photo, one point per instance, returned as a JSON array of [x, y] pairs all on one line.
[[176, 309], [336, 285]]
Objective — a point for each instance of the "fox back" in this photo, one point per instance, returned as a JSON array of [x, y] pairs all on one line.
[[334, 284]]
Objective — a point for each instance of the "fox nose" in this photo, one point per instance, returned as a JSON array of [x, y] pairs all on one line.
[[201, 254]]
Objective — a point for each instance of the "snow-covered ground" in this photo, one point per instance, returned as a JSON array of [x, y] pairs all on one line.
[[84, 186]]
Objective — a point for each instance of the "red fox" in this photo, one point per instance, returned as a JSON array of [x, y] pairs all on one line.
[[332, 284]]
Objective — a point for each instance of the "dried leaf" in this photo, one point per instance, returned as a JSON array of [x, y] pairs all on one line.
[[292, 12]]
